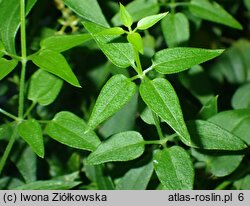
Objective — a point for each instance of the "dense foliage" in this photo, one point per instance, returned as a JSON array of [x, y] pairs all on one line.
[[139, 94]]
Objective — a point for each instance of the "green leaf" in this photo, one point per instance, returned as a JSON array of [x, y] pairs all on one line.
[[212, 11], [125, 16], [119, 53], [136, 178], [206, 135], [60, 43], [72, 131], [123, 146], [138, 9], [174, 60], [235, 121], [8, 182], [149, 21], [113, 96], [112, 31], [232, 65], [26, 163], [243, 183], [2, 49], [209, 109], [48, 185], [89, 10], [5, 131], [44, 87], [174, 168], [147, 116], [31, 132], [126, 118], [223, 165], [149, 44], [192, 81], [136, 40], [160, 97], [219, 163], [247, 3], [6, 66], [241, 98], [56, 64], [10, 21], [98, 175], [175, 28]]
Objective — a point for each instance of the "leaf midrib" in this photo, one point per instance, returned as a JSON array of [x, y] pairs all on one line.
[[166, 107], [117, 149], [91, 147]]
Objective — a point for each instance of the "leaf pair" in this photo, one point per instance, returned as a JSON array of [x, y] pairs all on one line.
[[138, 9], [142, 24], [133, 37], [65, 127]]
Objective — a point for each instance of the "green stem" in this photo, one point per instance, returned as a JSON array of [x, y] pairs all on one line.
[[223, 185], [44, 121], [13, 56], [138, 63], [7, 150], [157, 124], [24, 59], [8, 114], [29, 109], [172, 6], [160, 142]]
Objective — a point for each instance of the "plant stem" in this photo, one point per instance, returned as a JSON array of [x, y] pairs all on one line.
[[24, 59], [13, 56], [157, 124], [44, 121], [8, 149], [8, 114], [172, 6], [223, 185], [138, 63], [29, 109]]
